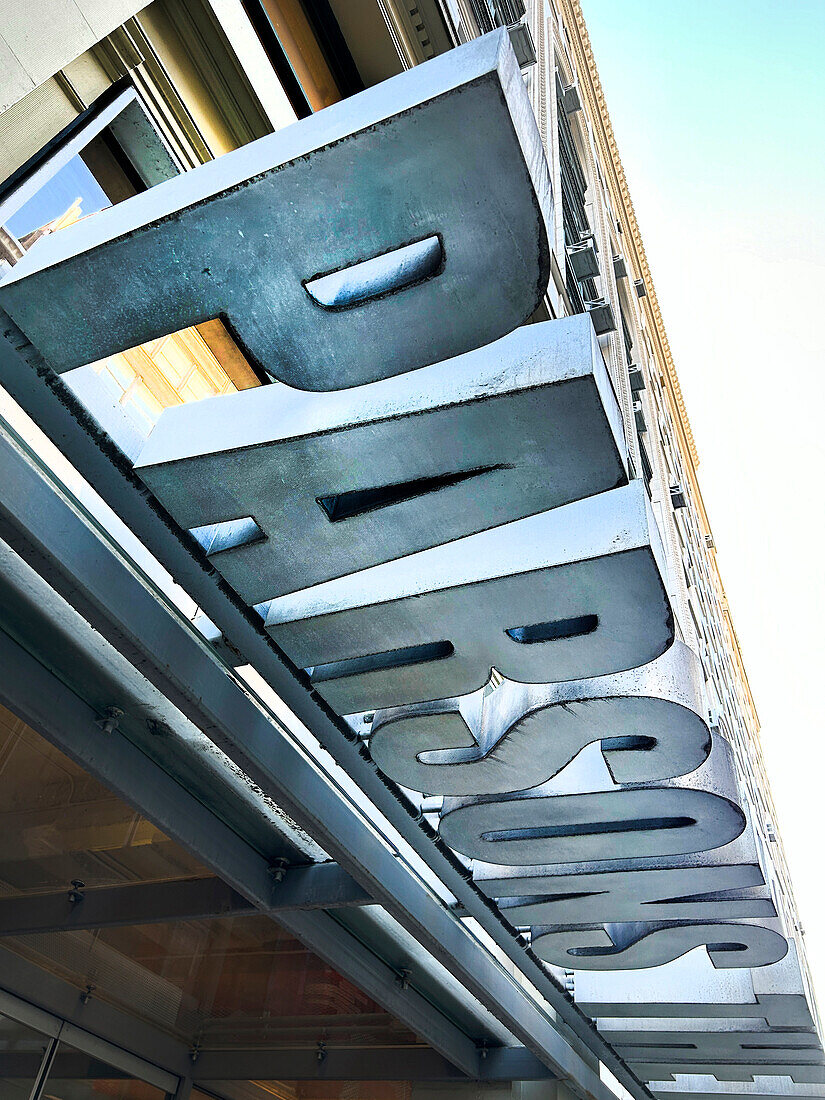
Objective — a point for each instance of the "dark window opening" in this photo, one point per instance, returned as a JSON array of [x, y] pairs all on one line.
[[628, 339], [574, 215]]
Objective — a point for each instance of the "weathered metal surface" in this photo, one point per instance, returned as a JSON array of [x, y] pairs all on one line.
[[636, 946], [448, 149], [626, 889], [660, 1047], [650, 894], [599, 820], [648, 720], [690, 1086], [432, 625], [674, 1041], [343, 481], [692, 988]]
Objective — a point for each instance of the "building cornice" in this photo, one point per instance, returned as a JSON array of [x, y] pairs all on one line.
[[591, 91], [611, 160], [590, 87]]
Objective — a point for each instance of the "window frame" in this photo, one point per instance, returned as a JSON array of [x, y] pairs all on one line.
[[115, 104]]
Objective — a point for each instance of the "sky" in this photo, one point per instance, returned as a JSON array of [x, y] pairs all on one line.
[[73, 181], [719, 112]]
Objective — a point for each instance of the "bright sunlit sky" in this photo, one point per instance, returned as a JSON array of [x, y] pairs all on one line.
[[719, 112]]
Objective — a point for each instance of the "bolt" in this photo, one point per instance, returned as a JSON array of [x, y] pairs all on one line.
[[86, 995], [403, 978], [110, 720], [278, 869], [76, 892]]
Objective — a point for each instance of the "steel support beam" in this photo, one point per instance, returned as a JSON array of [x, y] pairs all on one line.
[[39, 1069], [25, 980], [168, 656], [324, 886], [69, 554], [358, 1064], [361, 1064], [97, 1018], [67, 1065], [46, 704]]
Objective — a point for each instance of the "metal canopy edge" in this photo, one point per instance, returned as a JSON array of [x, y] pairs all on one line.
[[36, 387]]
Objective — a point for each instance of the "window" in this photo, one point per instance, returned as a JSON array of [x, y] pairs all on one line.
[[107, 154], [127, 392], [647, 469], [574, 215], [76, 1075], [628, 338], [306, 48], [21, 1054]]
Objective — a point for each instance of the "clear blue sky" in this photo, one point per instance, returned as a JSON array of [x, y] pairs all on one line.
[[719, 111], [73, 181], [723, 100]]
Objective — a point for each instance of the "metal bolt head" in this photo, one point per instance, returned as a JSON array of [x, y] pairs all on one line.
[[76, 892], [111, 719]]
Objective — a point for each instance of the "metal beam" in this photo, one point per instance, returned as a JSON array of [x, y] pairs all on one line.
[[36, 520], [324, 886], [39, 1071], [67, 1065], [183, 1091], [361, 1064], [26, 980], [88, 1021], [94, 1016], [46, 704], [90, 1059], [357, 1064], [117, 906], [330, 820]]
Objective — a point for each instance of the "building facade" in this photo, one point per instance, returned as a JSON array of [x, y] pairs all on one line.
[[373, 719]]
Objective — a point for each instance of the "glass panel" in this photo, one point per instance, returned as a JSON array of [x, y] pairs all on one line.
[[71, 194], [78, 1076], [316, 1090], [21, 1052], [338, 1090], [57, 824], [215, 983], [220, 982], [198, 362]]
